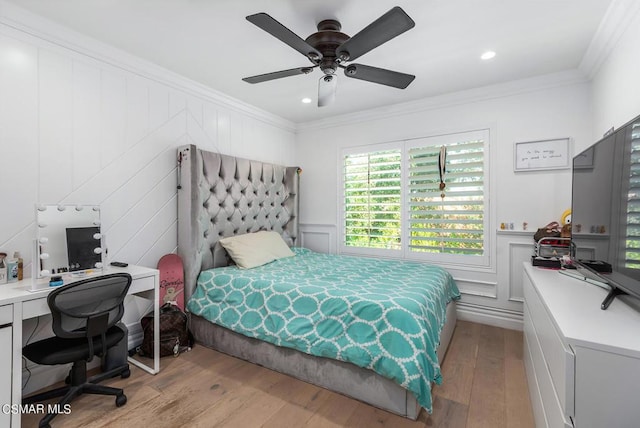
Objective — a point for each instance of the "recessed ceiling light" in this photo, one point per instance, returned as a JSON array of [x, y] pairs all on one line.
[[487, 55], [306, 100]]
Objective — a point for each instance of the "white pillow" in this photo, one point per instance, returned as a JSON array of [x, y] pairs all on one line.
[[256, 249]]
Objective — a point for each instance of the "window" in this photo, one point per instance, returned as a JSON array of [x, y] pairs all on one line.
[[372, 199], [632, 233], [394, 203]]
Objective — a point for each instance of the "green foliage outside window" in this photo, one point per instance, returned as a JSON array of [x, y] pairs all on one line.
[[374, 189]]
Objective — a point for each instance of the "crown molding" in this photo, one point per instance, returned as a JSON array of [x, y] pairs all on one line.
[[615, 22], [51, 33], [484, 93]]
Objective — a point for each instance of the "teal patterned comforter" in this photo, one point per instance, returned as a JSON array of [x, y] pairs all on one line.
[[383, 315]]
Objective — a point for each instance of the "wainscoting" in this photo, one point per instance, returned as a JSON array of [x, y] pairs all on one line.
[[85, 123], [318, 237]]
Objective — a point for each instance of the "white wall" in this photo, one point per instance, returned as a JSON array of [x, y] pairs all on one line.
[[80, 123], [544, 108], [616, 86]]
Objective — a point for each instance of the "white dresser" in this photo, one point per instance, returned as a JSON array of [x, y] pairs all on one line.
[[582, 363]]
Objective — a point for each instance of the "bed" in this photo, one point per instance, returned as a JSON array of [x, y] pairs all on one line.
[[222, 196]]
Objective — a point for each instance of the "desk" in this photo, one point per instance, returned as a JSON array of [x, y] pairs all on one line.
[[28, 299]]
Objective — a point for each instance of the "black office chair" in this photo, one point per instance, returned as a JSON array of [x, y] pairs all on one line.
[[85, 314]]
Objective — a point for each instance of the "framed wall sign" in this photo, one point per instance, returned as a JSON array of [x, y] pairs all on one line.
[[542, 154]]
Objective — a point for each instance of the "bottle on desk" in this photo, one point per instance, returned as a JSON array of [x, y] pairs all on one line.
[[18, 258], [12, 270], [3, 268]]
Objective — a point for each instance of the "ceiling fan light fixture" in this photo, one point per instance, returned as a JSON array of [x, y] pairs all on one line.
[[488, 55], [328, 48]]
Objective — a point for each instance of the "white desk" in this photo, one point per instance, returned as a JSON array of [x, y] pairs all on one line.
[[19, 302]]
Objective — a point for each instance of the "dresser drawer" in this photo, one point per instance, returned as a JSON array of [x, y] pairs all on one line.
[[553, 412], [558, 358], [144, 283], [35, 308], [6, 314]]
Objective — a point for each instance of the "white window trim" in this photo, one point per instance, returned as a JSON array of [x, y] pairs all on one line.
[[483, 261]]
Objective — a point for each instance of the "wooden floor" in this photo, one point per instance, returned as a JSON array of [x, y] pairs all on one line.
[[484, 386]]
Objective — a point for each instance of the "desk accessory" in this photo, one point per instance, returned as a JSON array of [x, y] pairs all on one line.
[[55, 281], [3, 268], [119, 264]]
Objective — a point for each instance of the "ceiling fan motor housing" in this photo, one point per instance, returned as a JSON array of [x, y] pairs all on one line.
[[326, 41]]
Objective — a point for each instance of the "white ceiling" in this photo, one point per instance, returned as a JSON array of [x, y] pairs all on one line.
[[210, 42]]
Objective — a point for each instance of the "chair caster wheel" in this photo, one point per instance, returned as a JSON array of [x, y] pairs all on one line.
[[125, 374], [121, 400]]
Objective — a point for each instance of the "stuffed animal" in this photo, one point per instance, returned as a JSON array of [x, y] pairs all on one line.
[[565, 232]]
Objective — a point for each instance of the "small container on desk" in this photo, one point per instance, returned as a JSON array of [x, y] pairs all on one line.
[[549, 252]]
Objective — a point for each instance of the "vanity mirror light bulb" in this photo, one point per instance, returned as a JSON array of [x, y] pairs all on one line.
[[97, 236], [96, 208], [42, 225], [98, 265], [45, 272], [97, 250], [79, 207], [96, 223], [42, 207], [43, 240], [61, 208], [44, 256]]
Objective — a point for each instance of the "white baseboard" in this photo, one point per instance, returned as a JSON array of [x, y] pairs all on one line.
[[43, 376], [511, 320]]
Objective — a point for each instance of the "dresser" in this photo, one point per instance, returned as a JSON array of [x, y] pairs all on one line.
[[582, 363]]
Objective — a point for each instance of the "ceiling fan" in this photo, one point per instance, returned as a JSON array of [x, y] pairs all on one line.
[[329, 49]]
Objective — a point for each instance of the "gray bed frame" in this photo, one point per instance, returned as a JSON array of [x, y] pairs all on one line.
[[219, 196]]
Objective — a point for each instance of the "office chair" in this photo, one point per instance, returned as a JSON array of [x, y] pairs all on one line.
[[85, 314]]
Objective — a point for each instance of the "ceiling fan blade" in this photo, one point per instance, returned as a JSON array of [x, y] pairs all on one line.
[[391, 24], [379, 75], [278, 74], [327, 90], [279, 31]]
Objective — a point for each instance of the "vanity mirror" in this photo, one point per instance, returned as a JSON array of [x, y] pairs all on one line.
[[68, 239]]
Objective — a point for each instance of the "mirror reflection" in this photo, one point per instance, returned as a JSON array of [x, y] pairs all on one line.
[[69, 238]]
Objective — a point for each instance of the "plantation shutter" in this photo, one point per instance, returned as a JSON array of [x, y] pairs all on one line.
[[372, 199], [632, 241], [452, 220]]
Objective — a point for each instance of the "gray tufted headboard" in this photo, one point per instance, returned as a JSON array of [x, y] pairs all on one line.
[[220, 196]]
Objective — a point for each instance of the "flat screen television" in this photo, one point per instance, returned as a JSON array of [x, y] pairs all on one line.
[[605, 211]]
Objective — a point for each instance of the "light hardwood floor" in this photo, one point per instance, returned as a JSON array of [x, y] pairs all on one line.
[[484, 386]]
